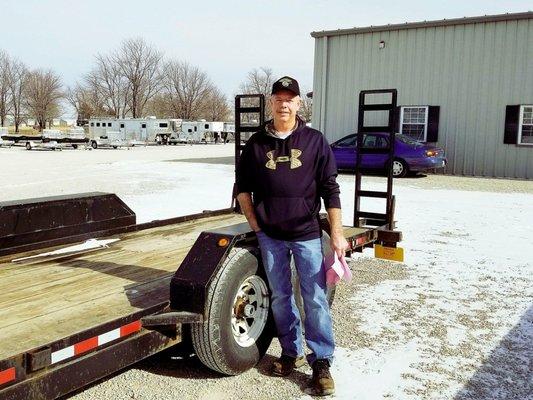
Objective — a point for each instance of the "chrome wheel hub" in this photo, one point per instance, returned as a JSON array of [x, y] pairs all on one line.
[[250, 311]]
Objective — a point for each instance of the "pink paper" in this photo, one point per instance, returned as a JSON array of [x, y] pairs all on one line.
[[336, 269]]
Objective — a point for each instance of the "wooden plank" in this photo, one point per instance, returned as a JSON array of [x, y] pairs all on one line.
[[350, 231], [50, 300]]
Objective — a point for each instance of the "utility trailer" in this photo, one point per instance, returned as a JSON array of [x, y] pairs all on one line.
[[51, 139], [85, 291]]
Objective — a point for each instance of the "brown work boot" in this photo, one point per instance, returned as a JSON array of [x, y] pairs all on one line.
[[321, 383], [284, 365]]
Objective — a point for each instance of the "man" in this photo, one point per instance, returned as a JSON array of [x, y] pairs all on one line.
[[284, 170]]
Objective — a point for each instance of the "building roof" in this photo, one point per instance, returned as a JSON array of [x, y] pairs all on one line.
[[427, 24]]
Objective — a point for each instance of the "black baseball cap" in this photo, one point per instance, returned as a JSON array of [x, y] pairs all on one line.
[[286, 83]]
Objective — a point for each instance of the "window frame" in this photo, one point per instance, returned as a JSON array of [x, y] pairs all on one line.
[[521, 124], [426, 107]]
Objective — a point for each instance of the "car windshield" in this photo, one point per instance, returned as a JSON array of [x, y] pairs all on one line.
[[407, 139]]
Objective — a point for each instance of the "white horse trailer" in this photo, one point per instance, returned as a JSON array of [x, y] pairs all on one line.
[[135, 130], [201, 131]]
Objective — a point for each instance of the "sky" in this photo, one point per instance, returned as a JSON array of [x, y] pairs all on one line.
[[226, 39]]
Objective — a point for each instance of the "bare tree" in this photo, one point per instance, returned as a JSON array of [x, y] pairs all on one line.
[[216, 106], [43, 95], [85, 102], [306, 108], [5, 101], [160, 106], [17, 80], [187, 87], [139, 64], [109, 86], [259, 81]]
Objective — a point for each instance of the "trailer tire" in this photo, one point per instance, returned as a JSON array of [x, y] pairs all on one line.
[[75, 146], [28, 146], [94, 145], [216, 342]]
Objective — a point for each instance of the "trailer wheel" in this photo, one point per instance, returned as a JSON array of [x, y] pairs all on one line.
[[28, 146], [239, 326], [75, 146], [94, 145]]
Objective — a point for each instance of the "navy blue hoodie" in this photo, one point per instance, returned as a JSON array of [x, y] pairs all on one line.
[[287, 178]]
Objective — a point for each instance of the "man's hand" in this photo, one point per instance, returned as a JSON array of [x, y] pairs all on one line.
[[338, 242], [245, 201]]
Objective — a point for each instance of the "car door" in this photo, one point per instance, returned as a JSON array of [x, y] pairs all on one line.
[[344, 151]]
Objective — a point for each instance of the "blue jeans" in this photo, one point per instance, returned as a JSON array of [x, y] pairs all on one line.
[[308, 258]]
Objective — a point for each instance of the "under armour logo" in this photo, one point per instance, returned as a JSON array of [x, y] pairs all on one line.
[[293, 159]]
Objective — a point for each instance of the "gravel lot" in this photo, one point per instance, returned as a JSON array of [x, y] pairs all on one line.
[[455, 321]]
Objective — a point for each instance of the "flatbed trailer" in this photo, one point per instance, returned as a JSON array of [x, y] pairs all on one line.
[[85, 291], [41, 141]]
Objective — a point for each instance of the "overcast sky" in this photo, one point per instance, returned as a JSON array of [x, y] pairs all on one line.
[[224, 38]]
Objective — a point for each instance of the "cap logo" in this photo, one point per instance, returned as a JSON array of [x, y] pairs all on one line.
[[285, 82]]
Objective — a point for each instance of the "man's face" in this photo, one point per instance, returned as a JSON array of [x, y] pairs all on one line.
[[284, 104]]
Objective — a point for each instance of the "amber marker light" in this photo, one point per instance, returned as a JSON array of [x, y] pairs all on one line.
[[223, 242]]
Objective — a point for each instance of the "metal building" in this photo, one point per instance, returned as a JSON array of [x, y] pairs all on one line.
[[466, 84]]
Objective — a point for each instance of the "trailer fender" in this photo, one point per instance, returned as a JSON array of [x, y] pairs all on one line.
[[189, 285]]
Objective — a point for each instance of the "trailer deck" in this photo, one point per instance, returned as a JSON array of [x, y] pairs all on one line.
[[44, 300]]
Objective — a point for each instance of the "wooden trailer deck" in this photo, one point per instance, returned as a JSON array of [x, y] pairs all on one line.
[[48, 299]]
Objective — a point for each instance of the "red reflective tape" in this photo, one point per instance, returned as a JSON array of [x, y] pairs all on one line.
[[86, 345], [360, 240], [7, 375], [130, 328]]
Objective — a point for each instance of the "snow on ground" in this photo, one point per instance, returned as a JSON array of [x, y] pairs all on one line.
[[455, 321]]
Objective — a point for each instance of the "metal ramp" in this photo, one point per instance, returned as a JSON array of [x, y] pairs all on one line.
[[245, 104], [385, 220]]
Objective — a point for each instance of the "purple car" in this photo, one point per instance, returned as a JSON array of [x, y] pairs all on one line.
[[410, 155]]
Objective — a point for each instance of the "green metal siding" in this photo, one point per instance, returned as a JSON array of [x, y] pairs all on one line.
[[472, 71]]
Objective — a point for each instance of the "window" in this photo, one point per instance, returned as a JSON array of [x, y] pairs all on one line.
[[195, 129], [206, 126], [98, 124], [525, 127], [109, 124], [189, 130], [121, 126], [414, 122], [163, 125], [375, 142], [92, 123], [143, 126], [350, 141]]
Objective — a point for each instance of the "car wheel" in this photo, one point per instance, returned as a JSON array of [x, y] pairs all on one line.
[[399, 168], [94, 145], [239, 325]]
